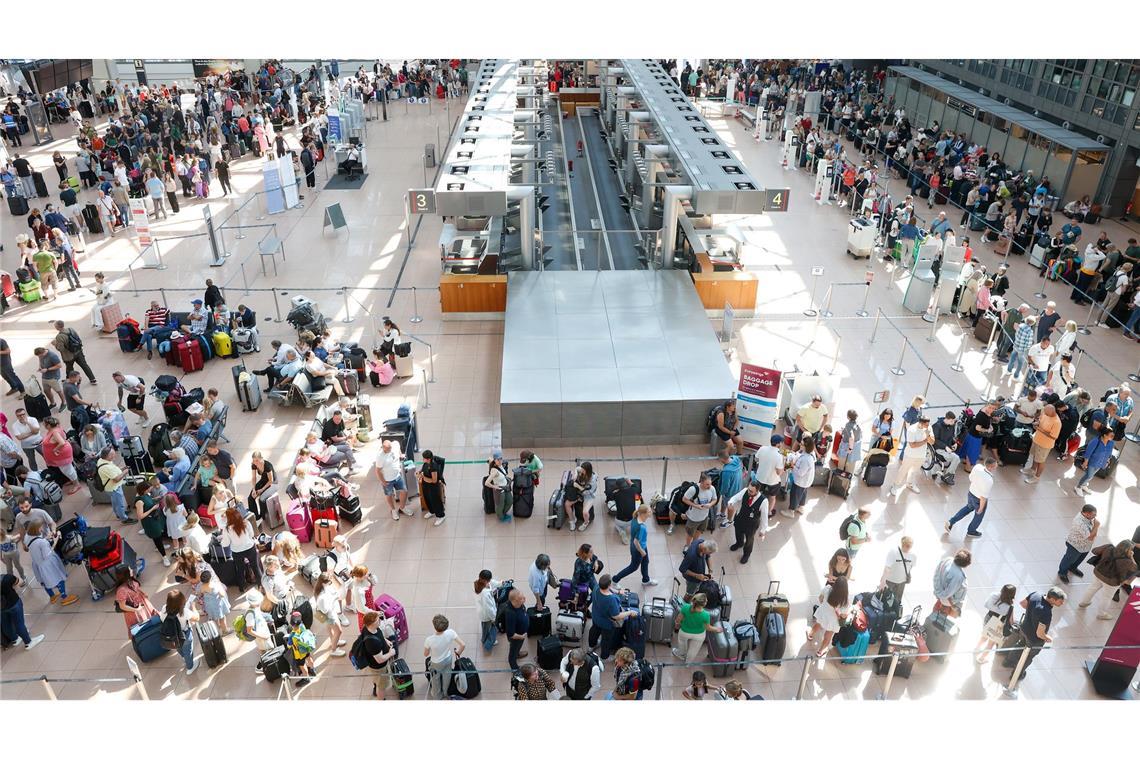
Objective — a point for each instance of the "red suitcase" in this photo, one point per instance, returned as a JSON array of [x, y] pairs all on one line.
[[113, 556], [190, 356]]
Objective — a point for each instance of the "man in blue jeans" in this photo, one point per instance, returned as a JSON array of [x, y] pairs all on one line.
[[981, 483], [1078, 543], [607, 616], [638, 547], [1022, 339], [112, 478]]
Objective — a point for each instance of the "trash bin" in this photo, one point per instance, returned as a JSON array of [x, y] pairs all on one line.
[[429, 155]]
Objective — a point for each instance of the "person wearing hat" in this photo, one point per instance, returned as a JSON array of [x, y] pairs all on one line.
[[199, 318], [301, 643]]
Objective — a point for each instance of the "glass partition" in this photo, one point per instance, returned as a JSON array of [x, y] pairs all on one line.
[[981, 131], [1036, 153], [1087, 168], [999, 131], [938, 108], [1016, 144], [1057, 165]]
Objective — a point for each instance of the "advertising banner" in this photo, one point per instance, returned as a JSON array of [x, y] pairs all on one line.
[[204, 67], [289, 182], [335, 133], [274, 200], [757, 403], [141, 222]]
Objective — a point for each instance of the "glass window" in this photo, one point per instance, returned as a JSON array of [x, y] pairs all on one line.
[[1036, 152], [1015, 146], [938, 108], [1057, 165]]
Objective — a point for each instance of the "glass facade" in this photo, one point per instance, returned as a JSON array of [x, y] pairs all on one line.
[[1112, 90]]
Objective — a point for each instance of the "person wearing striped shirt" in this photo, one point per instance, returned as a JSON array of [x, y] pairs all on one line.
[[155, 326]]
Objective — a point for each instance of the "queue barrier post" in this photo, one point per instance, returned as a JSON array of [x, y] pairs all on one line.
[[862, 312], [664, 473], [826, 310], [1011, 688], [810, 311], [875, 329], [347, 308], [416, 318], [933, 314], [1084, 329], [957, 365], [993, 334], [835, 358], [898, 369], [1135, 376], [808, 659], [47, 688], [890, 676], [276, 304], [427, 401], [244, 282], [929, 376], [162, 292]]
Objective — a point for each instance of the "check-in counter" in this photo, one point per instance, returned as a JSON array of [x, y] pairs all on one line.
[[472, 293], [715, 289]]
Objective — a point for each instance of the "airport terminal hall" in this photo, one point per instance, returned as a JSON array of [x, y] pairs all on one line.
[[659, 378]]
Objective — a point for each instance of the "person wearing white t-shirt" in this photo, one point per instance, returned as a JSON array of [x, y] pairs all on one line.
[[769, 466], [1028, 408], [441, 649], [700, 499], [390, 472], [981, 483], [918, 437], [898, 568]]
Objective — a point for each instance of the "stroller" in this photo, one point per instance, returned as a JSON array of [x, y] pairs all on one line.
[[306, 316]]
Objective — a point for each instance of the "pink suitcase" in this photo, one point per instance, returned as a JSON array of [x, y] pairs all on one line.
[[299, 521], [390, 608]]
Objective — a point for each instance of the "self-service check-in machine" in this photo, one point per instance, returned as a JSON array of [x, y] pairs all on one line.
[[791, 144], [824, 176]]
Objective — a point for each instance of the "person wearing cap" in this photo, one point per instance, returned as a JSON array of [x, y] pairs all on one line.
[[811, 417], [497, 481], [198, 318], [747, 511], [301, 643], [769, 467]]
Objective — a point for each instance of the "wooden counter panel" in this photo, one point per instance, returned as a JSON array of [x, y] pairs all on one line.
[[472, 293]]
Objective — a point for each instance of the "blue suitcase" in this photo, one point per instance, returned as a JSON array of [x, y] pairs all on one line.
[[854, 654], [146, 640]]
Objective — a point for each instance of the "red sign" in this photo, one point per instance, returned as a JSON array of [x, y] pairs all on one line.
[[759, 381], [1126, 632]]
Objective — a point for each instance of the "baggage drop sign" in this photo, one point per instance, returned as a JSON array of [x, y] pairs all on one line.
[[757, 402]]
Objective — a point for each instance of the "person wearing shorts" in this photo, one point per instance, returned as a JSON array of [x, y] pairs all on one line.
[[1048, 427], [51, 374], [135, 390], [390, 471], [700, 499]]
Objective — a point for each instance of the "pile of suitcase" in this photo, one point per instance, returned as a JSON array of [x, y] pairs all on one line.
[[104, 551]]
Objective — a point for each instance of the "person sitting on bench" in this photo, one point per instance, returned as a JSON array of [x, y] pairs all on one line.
[[351, 164]]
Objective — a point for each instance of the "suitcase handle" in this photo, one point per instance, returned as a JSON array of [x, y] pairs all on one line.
[[773, 588]]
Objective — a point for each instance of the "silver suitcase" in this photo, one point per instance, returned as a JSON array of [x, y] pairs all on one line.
[[722, 647], [658, 620], [570, 627]]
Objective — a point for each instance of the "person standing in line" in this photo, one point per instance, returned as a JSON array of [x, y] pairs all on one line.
[[828, 615], [540, 579], [802, 477], [691, 624], [731, 479], [625, 507], [1078, 543], [1022, 340], [769, 466], [899, 565], [700, 500], [1048, 426], [496, 480], [51, 376], [182, 609], [638, 547], [155, 189], [977, 499], [1097, 454], [997, 622], [1037, 620], [950, 583], [487, 609], [12, 622], [627, 676], [8, 372], [1040, 357], [518, 625], [379, 653], [857, 532], [432, 488], [607, 617], [918, 437], [1116, 566], [534, 684], [441, 648], [581, 673], [26, 430]]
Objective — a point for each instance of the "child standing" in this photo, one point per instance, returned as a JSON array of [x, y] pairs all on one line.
[[175, 521], [10, 554]]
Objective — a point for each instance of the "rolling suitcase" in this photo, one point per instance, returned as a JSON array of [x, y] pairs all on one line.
[[539, 622], [349, 382], [211, 643], [112, 315], [1014, 447], [747, 640], [570, 627], [941, 632], [41, 186], [984, 328], [390, 608], [854, 654], [223, 344], [875, 474], [465, 680], [659, 620], [190, 356], [773, 637], [146, 640], [18, 205], [402, 678], [273, 516], [275, 663], [405, 366], [722, 650], [349, 509], [300, 522], [249, 392], [324, 531], [839, 483], [772, 601], [92, 220], [904, 644], [549, 653]]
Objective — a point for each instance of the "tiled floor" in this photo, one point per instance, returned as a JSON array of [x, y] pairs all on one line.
[[431, 569]]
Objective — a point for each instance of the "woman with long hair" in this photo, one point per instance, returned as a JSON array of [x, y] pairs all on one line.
[[327, 609], [839, 566], [182, 609], [149, 513], [997, 623], [238, 536], [828, 615], [130, 599]]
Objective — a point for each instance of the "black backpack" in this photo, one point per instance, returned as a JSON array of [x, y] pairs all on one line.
[[170, 633], [846, 524], [74, 342], [676, 498], [1086, 418], [648, 677], [710, 423]]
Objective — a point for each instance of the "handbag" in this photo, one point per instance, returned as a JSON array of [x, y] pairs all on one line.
[[994, 628], [1094, 559]]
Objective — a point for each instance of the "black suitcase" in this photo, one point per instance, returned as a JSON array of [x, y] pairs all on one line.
[[875, 474], [274, 664], [85, 110], [402, 678], [984, 328], [905, 664], [539, 622], [549, 653], [213, 647], [349, 509], [1015, 449], [37, 406], [465, 682], [41, 186], [91, 219], [18, 205], [839, 483], [977, 223]]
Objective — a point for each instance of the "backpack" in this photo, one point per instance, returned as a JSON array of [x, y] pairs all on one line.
[[676, 502], [1107, 393], [74, 342], [97, 482], [847, 521], [170, 633], [358, 654], [647, 678], [241, 629], [1086, 418], [503, 592], [710, 423]]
